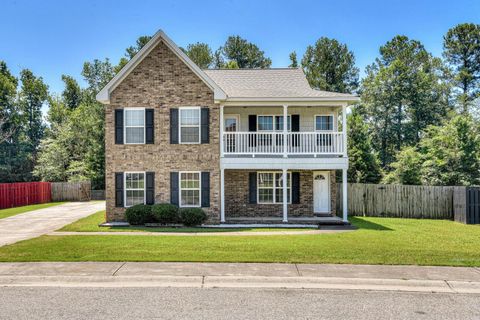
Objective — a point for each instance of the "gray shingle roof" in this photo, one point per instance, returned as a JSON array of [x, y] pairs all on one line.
[[268, 83]]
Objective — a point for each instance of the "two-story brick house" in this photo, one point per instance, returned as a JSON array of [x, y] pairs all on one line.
[[218, 139]]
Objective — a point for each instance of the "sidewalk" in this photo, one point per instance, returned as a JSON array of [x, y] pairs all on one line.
[[241, 275]]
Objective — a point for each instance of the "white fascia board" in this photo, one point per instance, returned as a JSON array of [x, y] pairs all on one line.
[[104, 95], [352, 99], [291, 103], [265, 163]]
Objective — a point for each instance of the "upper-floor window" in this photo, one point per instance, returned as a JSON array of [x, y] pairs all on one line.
[[324, 123], [134, 126], [134, 188], [272, 123], [189, 125]]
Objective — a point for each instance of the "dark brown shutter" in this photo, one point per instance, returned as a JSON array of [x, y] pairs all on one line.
[[295, 122], [252, 187], [174, 188], [149, 126], [205, 129], [118, 189], [150, 188], [174, 126], [252, 122], [118, 126], [205, 189], [296, 187], [252, 127]]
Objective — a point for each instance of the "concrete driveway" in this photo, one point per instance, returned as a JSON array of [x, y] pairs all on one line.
[[38, 222]]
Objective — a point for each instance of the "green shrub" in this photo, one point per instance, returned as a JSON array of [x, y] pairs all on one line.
[[165, 213], [192, 216], [139, 214]]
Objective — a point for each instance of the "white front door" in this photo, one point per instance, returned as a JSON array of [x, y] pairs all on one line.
[[321, 192]]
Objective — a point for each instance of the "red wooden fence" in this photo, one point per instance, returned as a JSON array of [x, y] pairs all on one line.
[[24, 193]]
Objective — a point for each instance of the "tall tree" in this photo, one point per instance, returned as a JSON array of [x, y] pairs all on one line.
[[449, 154], [8, 110], [32, 96], [244, 53], [330, 66], [97, 74], [461, 49], [403, 94], [293, 60], [200, 53], [72, 94], [131, 51], [406, 168], [364, 166]]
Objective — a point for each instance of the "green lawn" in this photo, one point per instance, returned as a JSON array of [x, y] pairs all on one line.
[[90, 224], [378, 241], [4, 213]]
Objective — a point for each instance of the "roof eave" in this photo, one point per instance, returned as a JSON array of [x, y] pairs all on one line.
[[351, 100]]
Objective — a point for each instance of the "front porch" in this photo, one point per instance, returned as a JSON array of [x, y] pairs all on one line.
[[279, 197]]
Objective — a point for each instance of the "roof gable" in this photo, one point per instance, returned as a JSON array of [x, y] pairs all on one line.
[[104, 94]]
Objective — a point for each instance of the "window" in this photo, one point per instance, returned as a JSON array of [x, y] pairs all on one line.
[[134, 126], [134, 188], [190, 125], [272, 123], [324, 123], [190, 189], [279, 123], [270, 187]]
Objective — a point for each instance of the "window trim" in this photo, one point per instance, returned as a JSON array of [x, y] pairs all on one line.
[[180, 189], [125, 125], [125, 187], [274, 187], [274, 122], [324, 115], [189, 125]]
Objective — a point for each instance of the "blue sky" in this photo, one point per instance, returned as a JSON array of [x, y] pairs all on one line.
[[55, 37]]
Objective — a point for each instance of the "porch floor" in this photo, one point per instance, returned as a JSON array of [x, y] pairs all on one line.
[[317, 220]]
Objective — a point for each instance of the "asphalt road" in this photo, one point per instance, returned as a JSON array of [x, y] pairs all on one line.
[[194, 303]]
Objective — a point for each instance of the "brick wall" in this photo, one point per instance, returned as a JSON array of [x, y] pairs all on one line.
[[237, 191], [162, 81]]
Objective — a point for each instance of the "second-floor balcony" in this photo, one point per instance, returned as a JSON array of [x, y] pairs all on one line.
[[285, 144]]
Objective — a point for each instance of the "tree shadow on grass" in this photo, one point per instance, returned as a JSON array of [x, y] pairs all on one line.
[[368, 225]]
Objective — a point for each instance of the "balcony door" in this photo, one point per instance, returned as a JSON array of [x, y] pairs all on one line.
[[232, 122]]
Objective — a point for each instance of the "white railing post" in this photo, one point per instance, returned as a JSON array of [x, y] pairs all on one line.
[[222, 124], [285, 201], [222, 195], [344, 195], [344, 129], [285, 116]]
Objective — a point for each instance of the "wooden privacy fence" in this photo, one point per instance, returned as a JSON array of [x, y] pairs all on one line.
[[378, 200], [24, 193], [71, 191]]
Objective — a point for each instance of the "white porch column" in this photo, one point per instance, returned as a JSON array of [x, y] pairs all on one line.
[[285, 201], [344, 129], [285, 116], [344, 195], [222, 195], [222, 124]]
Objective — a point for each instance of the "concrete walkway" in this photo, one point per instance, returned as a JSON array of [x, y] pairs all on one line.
[[241, 275], [38, 222], [209, 233]]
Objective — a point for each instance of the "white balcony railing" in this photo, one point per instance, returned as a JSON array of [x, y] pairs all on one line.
[[272, 143]]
